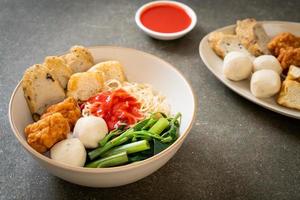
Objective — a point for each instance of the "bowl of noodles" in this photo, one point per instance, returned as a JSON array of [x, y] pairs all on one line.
[[153, 107]]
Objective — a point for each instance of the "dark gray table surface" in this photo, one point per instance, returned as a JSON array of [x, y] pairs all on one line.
[[236, 149]]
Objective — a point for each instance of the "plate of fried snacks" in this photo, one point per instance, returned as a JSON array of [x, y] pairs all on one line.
[[259, 60]]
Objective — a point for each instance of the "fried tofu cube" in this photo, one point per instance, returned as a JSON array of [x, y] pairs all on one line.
[[82, 86], [110, 70], [289, 95]]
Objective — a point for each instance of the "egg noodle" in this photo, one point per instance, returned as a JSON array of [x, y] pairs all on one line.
[[151, 100]]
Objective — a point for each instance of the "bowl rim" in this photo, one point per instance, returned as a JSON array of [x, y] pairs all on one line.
[[189, 11], [112, 169]]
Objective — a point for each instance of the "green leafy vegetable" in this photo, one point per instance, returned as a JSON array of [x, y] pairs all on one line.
[[109, 136], [114, 160], [121, 139], [159, 146], [159, 126], [145, 139], [129, 148], [149, 124], [138, 157], [139, 126]]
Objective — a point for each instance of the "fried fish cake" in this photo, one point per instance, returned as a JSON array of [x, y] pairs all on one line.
[[223, 43], [42, 135], [253, 36], [283, 41], [41, 89], [110, 70], [288, 57], [59, 69], [69, 110], [84, 85], [79, 59]]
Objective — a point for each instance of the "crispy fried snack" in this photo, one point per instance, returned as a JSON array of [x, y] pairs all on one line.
[[68, 108], [42, 135], [288, 57], [289, 95], [79, 59], [283, 41]]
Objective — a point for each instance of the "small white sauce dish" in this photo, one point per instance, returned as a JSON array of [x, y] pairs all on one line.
[[166, 36]]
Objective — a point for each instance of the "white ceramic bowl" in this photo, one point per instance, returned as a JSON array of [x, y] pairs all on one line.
[[139, 67], [165, 36]]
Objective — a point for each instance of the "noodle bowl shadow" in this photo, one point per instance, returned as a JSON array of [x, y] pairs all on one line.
[[139, 67]]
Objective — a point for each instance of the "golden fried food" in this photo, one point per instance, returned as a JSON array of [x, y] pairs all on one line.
[[68, 108], [42, 135], [110, 70], [60, 70], [41, 89], [289, 95], [253, 36], [283, 41], [288, 57], [223, 44], [84, 85], [79, 59]]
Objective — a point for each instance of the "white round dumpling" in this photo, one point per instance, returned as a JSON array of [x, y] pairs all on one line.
[[237, 66], [90, 130], [69, 151], [265, 83], [267, 62]]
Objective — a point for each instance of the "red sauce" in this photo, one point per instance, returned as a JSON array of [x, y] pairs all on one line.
[[116, 108], [165, 18]]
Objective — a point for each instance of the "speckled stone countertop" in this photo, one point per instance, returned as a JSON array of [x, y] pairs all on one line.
[[236, 149]]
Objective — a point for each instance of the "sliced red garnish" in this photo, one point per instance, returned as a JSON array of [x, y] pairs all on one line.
[[117, 107]]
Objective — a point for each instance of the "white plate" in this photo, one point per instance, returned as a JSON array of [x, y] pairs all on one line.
[[214, 64]]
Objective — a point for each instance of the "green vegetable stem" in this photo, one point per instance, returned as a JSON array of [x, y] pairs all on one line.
[[129, 148], [139, 126], [109, 136], [114, 160], [159, 126], [174, 128], [146, 135], [150, 123], [164, 130], [124, 137]]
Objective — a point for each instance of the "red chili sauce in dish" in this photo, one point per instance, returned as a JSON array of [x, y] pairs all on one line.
[[165, 18], [116, 108]]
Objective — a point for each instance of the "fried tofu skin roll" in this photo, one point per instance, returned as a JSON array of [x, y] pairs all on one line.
[[68, 108], [42, 135]]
